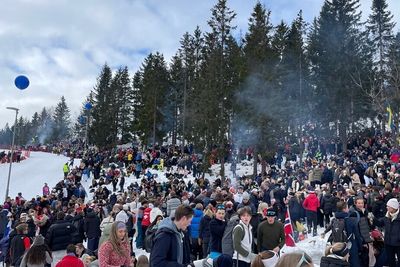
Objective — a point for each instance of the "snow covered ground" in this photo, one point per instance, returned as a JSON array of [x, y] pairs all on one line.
[[30, 175]]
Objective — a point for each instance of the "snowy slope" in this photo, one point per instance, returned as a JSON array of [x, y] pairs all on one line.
[[29, 176]]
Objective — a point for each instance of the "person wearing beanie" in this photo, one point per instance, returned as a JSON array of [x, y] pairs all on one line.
[[391, 222], [246, 202], [311, 205], [38, 254], [70, 260]]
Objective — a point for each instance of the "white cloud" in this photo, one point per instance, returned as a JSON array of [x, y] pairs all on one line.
[[61, 45]]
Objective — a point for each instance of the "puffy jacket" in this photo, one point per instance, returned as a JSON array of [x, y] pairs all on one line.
[[332, 261], [195, 225], [311, 202], [60, 234], [92, 225], [172, 204]]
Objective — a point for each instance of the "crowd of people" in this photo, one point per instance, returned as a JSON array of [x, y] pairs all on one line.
[[113, 204]]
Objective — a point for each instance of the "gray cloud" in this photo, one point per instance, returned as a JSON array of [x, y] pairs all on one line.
[[61, 45]]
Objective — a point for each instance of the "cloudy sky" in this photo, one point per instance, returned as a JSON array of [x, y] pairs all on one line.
[[62, 44]]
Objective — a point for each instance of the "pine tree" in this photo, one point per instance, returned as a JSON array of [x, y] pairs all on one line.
[[102, 118], [153, 85], [335, 61], [61, 118]]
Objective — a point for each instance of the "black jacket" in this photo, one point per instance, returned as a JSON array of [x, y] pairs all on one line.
[[92, 225], [204, 229], [392, 230], [17, 249], [327, 203], [60, 234], [217, 228], [77, 221], [333, 262]]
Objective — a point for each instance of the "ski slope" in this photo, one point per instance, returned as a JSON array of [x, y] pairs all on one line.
[[29, 176]]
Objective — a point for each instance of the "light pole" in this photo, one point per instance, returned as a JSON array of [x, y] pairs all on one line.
[[12, 150]]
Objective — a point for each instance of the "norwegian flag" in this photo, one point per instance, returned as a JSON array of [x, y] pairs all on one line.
[[289, 240]]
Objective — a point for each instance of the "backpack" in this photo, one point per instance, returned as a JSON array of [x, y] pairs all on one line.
[[339, 233], [227, 238], [149, 239]]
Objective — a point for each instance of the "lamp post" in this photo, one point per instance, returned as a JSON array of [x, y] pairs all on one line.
[[12, 150]]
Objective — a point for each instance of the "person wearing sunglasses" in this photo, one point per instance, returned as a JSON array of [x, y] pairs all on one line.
[[336, 255], [295, 260]]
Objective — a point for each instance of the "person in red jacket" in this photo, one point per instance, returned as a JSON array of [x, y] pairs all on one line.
[[311, 205], [146, 219], [70, 260]]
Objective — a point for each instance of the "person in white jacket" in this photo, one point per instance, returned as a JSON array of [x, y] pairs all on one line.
[[243, 239]]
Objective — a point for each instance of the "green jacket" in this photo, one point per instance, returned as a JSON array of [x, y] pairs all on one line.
[[270, 236]]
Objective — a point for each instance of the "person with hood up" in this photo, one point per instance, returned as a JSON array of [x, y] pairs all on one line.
[[168, 242], [311, 205], [392, 229]]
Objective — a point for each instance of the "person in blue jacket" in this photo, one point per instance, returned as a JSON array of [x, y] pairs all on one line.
[[194, 229]]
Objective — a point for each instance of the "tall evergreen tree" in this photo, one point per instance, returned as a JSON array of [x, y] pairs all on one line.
[[61, 125], [153, 88], [101, 129]]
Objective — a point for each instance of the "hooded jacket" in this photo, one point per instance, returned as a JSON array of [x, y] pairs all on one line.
[[168, 246]]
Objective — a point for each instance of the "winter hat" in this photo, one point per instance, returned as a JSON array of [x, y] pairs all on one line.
[[39, 241], [376, 235], [311, 190], [393, 203], [23, 215], [246, 196], [270, 212]]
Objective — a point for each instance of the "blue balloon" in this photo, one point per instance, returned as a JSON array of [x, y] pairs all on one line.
[[82, 119], [21, 82], [88, 106]]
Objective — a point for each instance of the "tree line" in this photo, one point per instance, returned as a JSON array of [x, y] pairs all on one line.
[[338, 73]]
